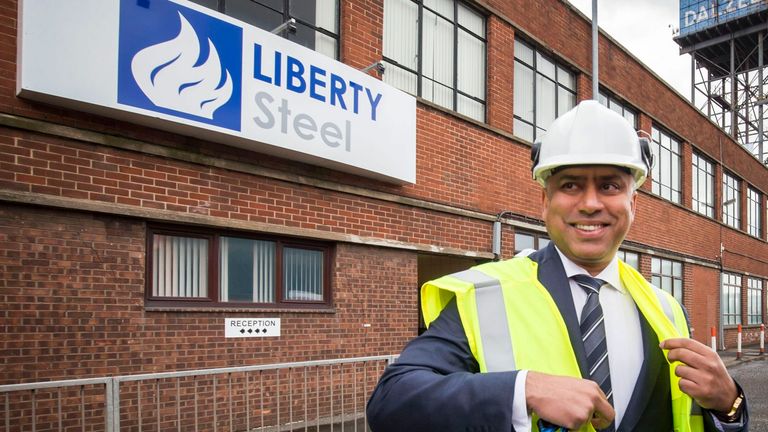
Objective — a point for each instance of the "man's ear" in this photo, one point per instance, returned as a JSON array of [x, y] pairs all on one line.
[[544, 203], [633, 203]]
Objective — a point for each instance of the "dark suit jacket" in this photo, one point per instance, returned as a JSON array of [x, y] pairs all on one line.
[[435, 384]]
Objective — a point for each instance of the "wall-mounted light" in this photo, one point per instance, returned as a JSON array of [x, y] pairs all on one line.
[[379, 66], [496, 240], [290, 25]]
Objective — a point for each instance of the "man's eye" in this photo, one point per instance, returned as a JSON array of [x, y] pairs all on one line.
[[611, 186], [568, 186]]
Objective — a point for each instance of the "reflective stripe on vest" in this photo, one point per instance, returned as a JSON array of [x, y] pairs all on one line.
[[492, 318]]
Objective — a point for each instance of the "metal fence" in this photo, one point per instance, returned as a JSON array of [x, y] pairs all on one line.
[[323, 395]]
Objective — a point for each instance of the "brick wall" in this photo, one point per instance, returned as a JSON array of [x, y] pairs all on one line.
[[73, 290]]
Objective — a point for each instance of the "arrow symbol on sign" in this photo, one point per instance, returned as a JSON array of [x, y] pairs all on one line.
[[263, 330]]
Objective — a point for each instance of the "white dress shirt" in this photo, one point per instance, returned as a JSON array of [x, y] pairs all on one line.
[[623, 336]]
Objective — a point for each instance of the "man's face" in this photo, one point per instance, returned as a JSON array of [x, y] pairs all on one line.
[[588, 210]]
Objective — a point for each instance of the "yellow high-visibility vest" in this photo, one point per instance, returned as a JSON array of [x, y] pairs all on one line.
[[511, 322]]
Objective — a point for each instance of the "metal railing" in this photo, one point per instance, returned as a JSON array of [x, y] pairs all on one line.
[[325, 395]]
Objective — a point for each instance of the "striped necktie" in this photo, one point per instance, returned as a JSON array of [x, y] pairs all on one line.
[[593, 334]]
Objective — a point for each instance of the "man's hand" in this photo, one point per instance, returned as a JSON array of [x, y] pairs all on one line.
[[702, 375], [566, 401]]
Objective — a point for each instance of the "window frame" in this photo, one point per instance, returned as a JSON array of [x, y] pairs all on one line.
[[419, 71], [537, 239], [622, 255], [697, 159], [731, 290], [221, 7], [611, 100], [754, 212], [558, 67], [731, 182], [754, 286], [661, 276], [213, 298], [676, 195]]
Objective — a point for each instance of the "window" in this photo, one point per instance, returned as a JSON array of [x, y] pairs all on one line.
[[703, 186], [543, 90], [666, 172], [317, 22], [731, 201], [524, 240], [630, 258], [435, 49], [753, 212], [730, 299], [206, 268], [621, 108], [754, 301], [668, 275]]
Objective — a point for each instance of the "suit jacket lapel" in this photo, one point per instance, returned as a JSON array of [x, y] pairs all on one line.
[[646, 380], [551, 274]]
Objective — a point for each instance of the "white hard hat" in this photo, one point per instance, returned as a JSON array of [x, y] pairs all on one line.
[[591, 134]]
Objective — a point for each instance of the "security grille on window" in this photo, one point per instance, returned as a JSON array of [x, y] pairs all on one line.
[[543, 90], [754, 301], [754, 212], [246, 270], [621, 108], [666, 172], [436, 49], [730, 299], [731, 201], [668, 275], [630, 258], [317, 21], [525, 240], [703, 186]]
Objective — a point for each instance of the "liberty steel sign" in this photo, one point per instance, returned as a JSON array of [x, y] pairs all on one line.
[[178, 66]]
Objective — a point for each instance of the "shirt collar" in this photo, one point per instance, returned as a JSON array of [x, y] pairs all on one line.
[[609, 274]]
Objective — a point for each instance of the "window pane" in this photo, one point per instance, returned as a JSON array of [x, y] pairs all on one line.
[[211, 4], [473, 21], [400, 78], [523, 130], [247, 270], [545, 102], [471, 65], [565, 100], [443, 7], [253, 13], [471, 108], [523, 93], [437, 93], [437, 49], [179, 267], [524, 53], [302, 274], [401, 29], [543, 242], [566, 78], [545, 66], [523, 241]]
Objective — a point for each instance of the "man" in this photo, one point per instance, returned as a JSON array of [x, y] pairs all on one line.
[[569, 335]]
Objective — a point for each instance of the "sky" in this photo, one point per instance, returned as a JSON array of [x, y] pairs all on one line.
[[645, 28]]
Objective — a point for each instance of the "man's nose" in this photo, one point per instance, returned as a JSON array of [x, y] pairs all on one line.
[[590, 200]]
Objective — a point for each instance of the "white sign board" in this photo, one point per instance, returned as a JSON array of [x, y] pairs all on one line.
[[251, 327], [175, 65]]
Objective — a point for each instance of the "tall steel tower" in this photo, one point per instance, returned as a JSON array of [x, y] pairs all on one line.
[[726, 40]]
